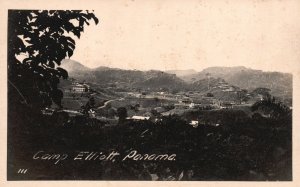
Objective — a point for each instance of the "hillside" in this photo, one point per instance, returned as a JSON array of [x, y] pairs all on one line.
[[218, 87], [163, 82], [73, 66], [217, 72], [77, 70], [181, 73], [126, 79], [246, 78], [241, 77]]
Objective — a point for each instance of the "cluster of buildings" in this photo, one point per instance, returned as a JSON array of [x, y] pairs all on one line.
[[80, 87], [225, 87]]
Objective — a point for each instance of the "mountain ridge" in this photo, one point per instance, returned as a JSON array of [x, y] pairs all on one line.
[[240, 76]]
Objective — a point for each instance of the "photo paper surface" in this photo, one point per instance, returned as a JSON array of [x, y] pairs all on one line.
[[152, 91]]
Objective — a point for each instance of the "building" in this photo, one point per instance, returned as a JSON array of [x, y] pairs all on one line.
[[226, 105], [135, 94], [186, 100], [181, 106], [47, 111], [77, 87], [72, 112], [192, 105], [194, 123], [139, 118]]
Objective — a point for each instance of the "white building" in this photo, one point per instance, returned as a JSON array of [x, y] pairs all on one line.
[[194, 123], [80, 87], [139, 118]]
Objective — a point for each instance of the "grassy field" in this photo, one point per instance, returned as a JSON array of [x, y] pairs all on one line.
[[143, 102]]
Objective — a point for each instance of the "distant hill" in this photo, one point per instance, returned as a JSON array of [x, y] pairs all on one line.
[[280, 84], [218, 87], [153, 79], [73, 66], [77, 70], [207, 84], [246, 78], [163, 82], [217, 72], [181, 73]]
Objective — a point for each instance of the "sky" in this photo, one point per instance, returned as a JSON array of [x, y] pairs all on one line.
[[173, 34]]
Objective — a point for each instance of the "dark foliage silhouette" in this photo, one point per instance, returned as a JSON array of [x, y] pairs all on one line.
[[44, 38], [122, 113], [272, 108]]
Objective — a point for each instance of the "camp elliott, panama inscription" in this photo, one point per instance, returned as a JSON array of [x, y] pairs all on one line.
[[93, 155]]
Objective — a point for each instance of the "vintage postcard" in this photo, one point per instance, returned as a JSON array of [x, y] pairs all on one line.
[[163, 91]]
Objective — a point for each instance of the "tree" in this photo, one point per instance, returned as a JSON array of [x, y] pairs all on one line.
[[44, 38], [209, 95], [265, 92], [272, 107], [242, 95], [155, 113], [88, 106], [122, 113]]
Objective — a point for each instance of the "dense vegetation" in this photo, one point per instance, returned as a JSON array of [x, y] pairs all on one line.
[[242, 148]]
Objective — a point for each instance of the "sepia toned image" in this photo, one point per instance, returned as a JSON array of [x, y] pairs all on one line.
[[151, 91]]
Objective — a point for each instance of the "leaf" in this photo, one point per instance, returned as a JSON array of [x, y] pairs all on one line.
[[70, 40], [76, 32], [51, 64], [94, 18], [63, 72], [70, 52]]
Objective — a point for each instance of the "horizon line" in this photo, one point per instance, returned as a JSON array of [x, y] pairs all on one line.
[[197, 71]]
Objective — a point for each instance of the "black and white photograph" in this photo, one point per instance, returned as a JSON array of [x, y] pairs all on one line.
[[152, 91]]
